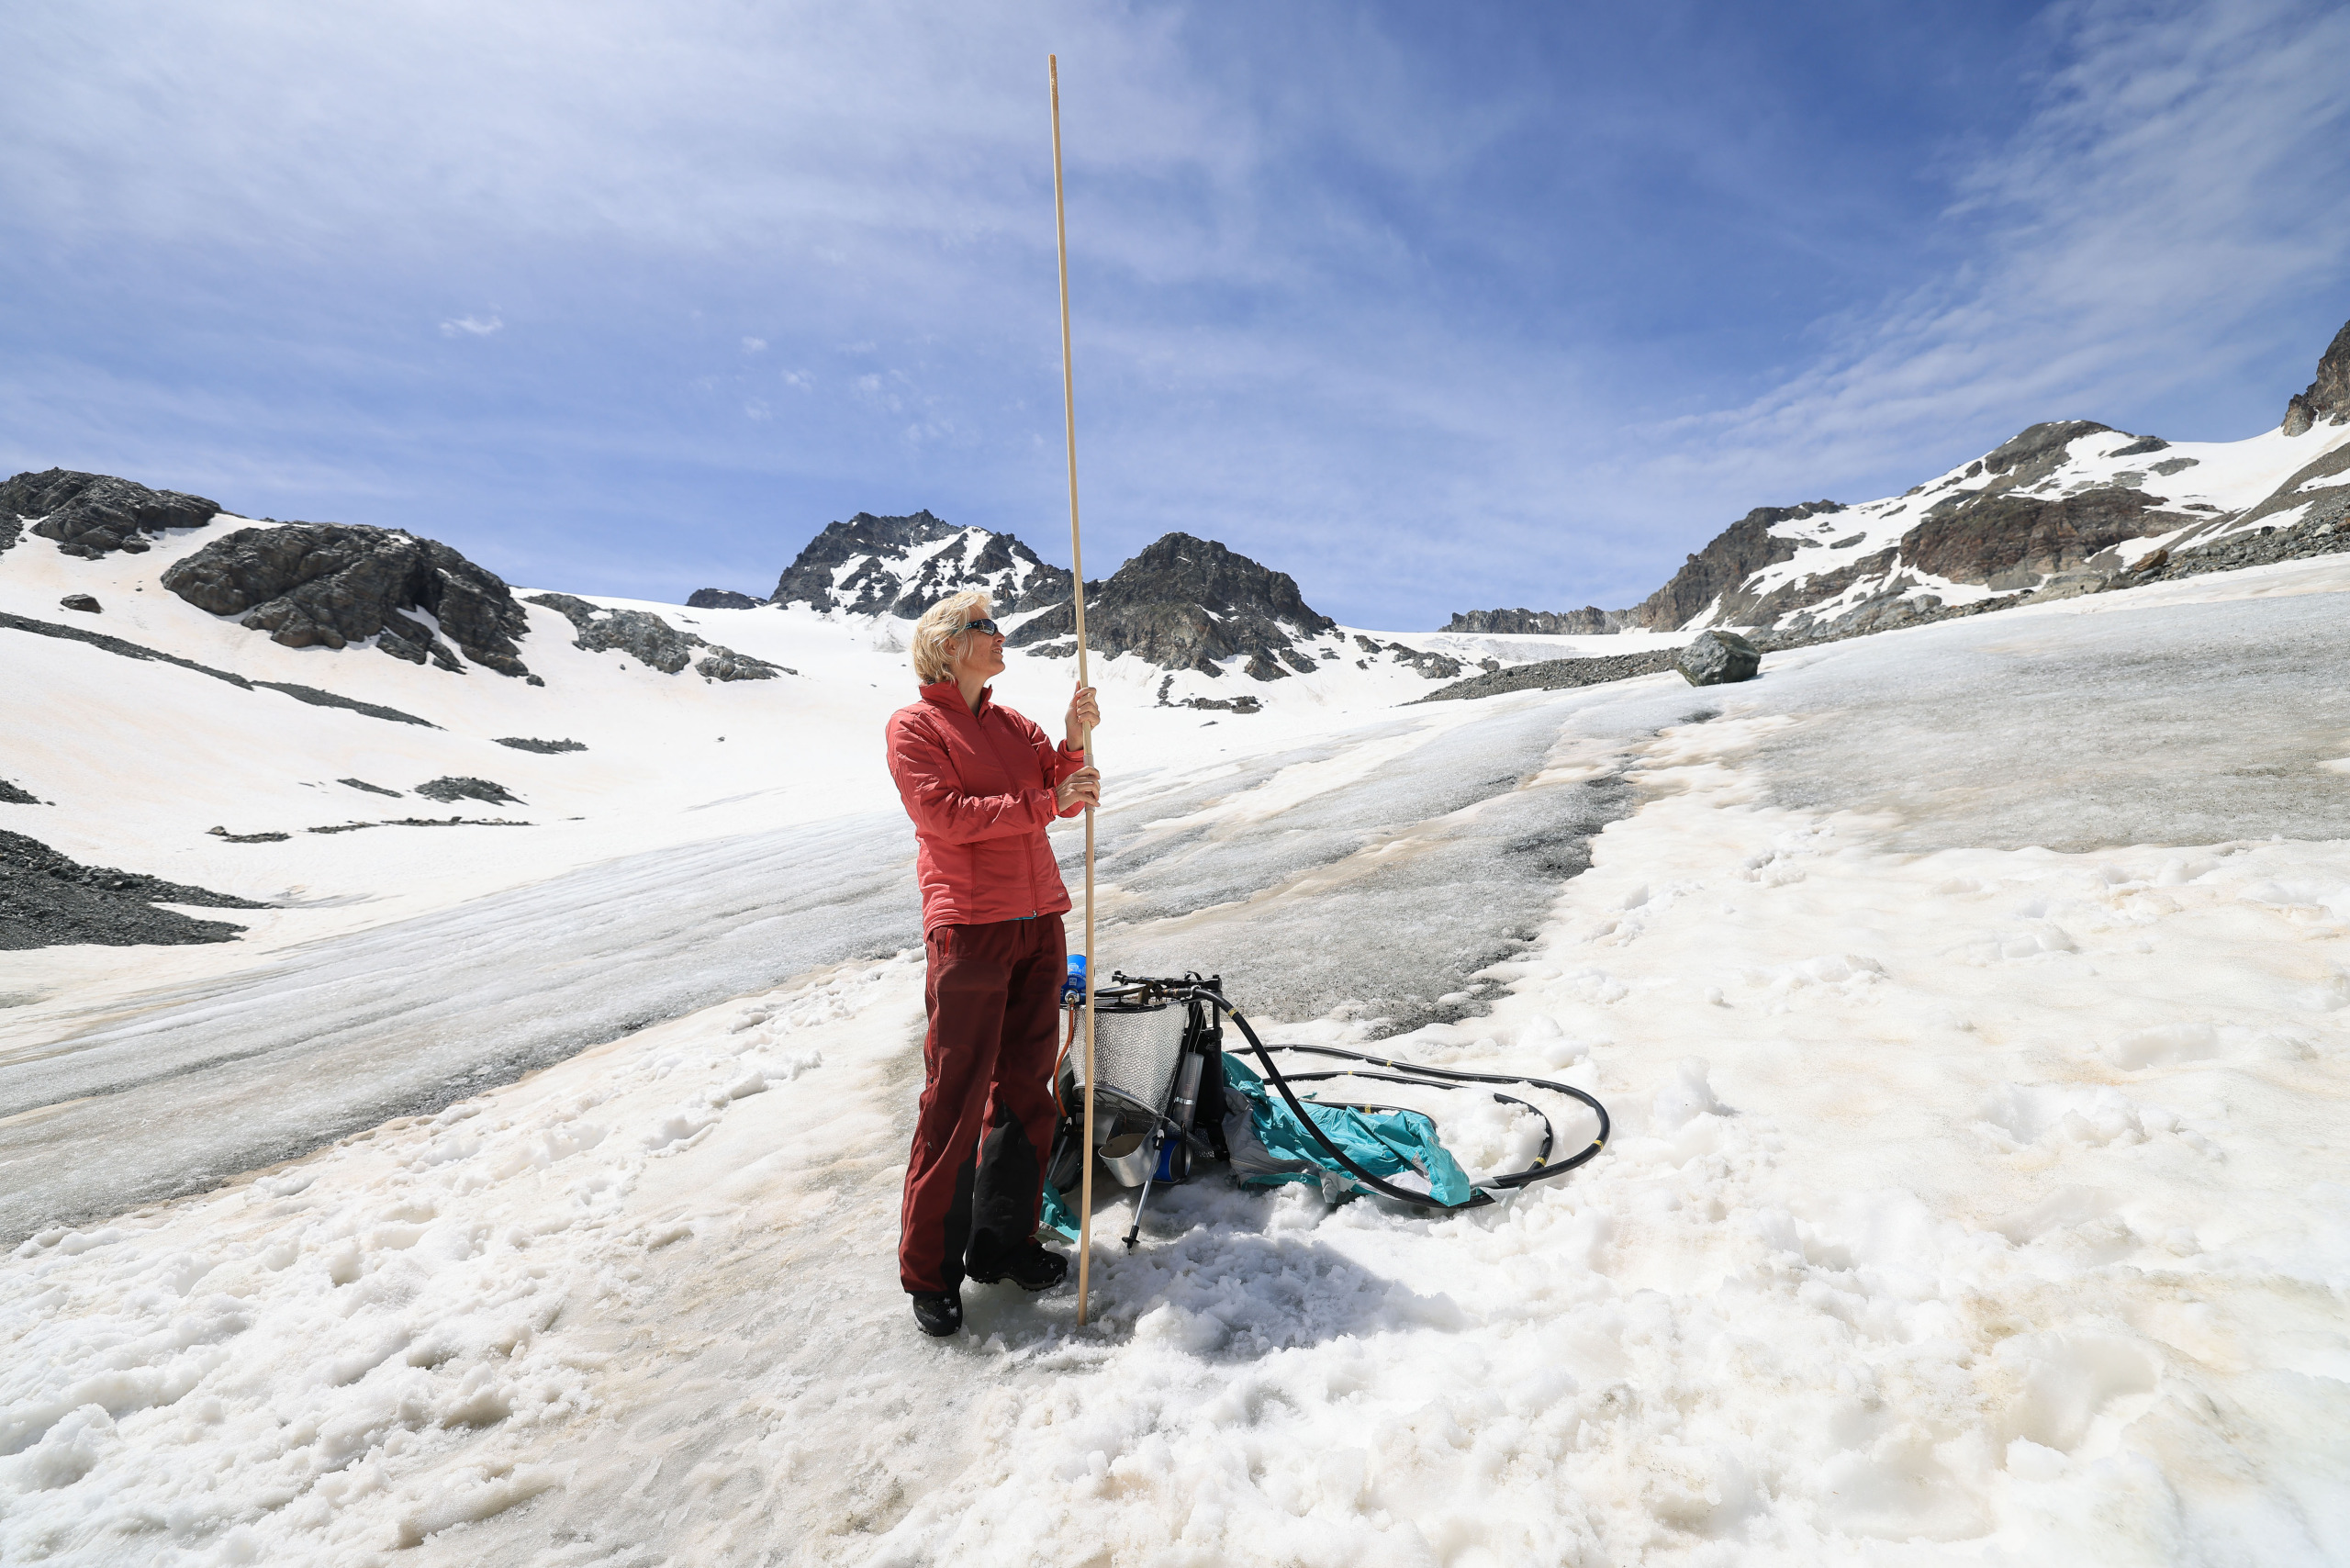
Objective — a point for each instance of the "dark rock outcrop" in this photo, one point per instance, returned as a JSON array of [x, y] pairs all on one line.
[[1434, 666], [331, 583], [309, 694], [721, 599], [643, 636], [725, 663], [91, 515], [84, 603], [1719, 659], [2011, 541], [884, 577], [449, 791], [2035, 452], [1589, 622], [1556, 675], [2328, 397], [1187, 603], [652, 641], [1739, 551], [49, 901], [11, 795], [370, 789], [545, 748]]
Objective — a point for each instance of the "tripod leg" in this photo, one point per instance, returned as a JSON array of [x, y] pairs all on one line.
[[1134, 1231]]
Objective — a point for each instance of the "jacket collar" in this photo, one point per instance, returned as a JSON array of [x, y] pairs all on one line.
[[949, 695]]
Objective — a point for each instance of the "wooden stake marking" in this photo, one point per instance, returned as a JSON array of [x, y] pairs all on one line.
[[1077, 570]]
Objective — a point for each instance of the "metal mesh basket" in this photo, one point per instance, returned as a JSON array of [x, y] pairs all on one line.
[[1135, 1052]]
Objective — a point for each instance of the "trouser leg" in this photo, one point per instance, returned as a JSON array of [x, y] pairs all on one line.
[[964, 992], [1020, 1110]]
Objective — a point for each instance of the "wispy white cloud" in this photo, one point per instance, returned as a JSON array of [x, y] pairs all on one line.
[[2181, 193], [1316, 313]]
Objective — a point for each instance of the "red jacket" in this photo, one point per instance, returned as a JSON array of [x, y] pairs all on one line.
[[979, 788]]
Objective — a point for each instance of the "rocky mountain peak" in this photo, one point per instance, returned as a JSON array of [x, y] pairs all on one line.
[[1737, 553], [1589, 622], [902, 565], [1190, 603], [2328, 397], [92, 515]]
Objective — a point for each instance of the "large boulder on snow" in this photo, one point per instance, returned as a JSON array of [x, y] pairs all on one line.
[[1719, 659], [92, 515], [332, 583], [721, 599]]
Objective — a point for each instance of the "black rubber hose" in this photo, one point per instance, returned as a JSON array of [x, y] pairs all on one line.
[[1549, 1133], [1477, 1199], [1519, 1179]]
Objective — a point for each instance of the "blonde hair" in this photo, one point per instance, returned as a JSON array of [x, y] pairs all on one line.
[[934, 633]]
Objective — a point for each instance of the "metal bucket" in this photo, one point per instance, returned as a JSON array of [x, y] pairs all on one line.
[[1128, 1155]]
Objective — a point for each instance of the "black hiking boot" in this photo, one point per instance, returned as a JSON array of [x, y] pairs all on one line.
[[940, 1313], [1031, 1265]]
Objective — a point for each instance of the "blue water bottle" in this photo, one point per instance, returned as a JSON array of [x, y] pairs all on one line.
[[1073, 987]]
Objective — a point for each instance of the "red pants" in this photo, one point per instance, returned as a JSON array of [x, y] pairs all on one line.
[[994, 996]]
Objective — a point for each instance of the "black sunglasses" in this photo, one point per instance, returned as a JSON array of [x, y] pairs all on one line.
[[986, 626]]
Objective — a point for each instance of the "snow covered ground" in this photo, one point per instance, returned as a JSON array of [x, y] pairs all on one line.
[[1978, 1193]]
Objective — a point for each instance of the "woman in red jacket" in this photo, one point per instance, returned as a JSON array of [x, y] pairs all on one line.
[[981, 783]]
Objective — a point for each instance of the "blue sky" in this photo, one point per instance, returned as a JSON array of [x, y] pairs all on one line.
[[1433, 306]]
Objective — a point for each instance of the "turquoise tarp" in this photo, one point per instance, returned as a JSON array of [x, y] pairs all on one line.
[[1388, 1144]]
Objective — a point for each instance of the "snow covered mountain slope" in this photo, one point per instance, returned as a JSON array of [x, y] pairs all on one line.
[[2061, 507], [902, 565], [1972, 1200]]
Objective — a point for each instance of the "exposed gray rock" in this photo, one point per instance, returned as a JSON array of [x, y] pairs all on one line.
[[2011, 541], [653, 642], [309, 694], [1739, 551], [249, 837], [48, 901], [449, 791], [413, 822], [721, 599], [2328, 397], [11, 795], [331, 583], [1719, 659], [641, 634], [317, 699], [2144, 445], [725, 663], [1556, 675], [545, 748], [1242, 704], [2170, 466], [1589, 622], [1434, 666], [90, 515], [2325, 530], [2037, 450], [867, 566], [1187, 603], [80, 601], [371, 788]]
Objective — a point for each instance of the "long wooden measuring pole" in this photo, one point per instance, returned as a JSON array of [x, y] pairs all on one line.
[[1077, 570]]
